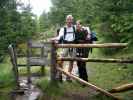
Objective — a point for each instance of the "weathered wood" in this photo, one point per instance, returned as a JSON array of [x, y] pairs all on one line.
[[25, 65], [34, 44], [41, 60], [15, 56], [38, 61], [28, 61], [107, 60], [104, 45], [53, 62], [122, 88], [88, 84], [23, 56], [42, 55], [22, 65], [14, 63]]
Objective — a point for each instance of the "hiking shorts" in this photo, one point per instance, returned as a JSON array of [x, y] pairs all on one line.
[[68, 52]]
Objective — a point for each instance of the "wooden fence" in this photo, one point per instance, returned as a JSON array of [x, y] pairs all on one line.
[[52, 48], [105, 45]]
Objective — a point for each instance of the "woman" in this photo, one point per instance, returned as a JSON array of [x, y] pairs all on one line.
[[82, 36]]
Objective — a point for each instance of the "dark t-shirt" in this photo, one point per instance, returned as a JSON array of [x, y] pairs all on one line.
[[81, 36]]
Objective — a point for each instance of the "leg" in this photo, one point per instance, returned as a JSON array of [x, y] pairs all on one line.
[[70, 67], [60, 64], [70, 70], [82, 70]]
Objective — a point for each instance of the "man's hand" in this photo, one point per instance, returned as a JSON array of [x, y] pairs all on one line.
[[53, 40]]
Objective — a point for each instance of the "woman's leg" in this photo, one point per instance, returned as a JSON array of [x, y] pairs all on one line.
[[82, 70]]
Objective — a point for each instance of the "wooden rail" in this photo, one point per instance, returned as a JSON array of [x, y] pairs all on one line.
[[104, 45], [101, 60]]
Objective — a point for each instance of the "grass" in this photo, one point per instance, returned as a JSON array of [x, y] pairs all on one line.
[[104, 75], [61, 91], [6, 75], [68, 91], [6, 80], [108, 75]]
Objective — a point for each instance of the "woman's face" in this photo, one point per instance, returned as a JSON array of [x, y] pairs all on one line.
[[78, 25]]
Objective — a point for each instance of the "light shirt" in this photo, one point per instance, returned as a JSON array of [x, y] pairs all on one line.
[[70, 36]]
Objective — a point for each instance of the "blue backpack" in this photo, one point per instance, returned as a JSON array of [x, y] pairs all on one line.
[[93, 36]]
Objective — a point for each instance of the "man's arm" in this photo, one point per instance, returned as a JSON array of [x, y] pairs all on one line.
[[61, 33], [57, 38]]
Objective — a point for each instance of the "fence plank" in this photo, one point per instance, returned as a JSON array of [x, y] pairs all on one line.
[[104, 45], [105, 60]]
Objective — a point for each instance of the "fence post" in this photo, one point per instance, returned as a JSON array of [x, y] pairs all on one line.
[[42, 56], [28, 58], [14, 63], [53, 69]]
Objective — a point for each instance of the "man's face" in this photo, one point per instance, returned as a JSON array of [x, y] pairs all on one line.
[[69, 21]]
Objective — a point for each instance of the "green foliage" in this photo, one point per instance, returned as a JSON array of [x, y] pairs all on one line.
[[118, 17], [15, 27], [6, 75], [113, 17], [108, 75], [43, 22]]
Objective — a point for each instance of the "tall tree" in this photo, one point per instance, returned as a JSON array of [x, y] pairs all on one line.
[[43, 22], [7, 28], [14, 26]]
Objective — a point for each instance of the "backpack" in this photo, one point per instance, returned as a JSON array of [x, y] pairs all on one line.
[[62, 38], [93, 36]]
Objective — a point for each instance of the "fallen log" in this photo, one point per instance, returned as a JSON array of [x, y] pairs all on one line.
[[122, 88], [88, 84]]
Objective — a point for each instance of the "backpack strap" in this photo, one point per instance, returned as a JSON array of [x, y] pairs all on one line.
[[65, 32], [74, 30]]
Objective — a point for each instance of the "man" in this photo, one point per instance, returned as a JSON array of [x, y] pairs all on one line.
[[67, 35]]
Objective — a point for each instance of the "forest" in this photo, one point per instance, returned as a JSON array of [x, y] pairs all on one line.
[[112, 20]]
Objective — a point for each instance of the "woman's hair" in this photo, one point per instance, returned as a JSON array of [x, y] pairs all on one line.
[[79, 21]]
